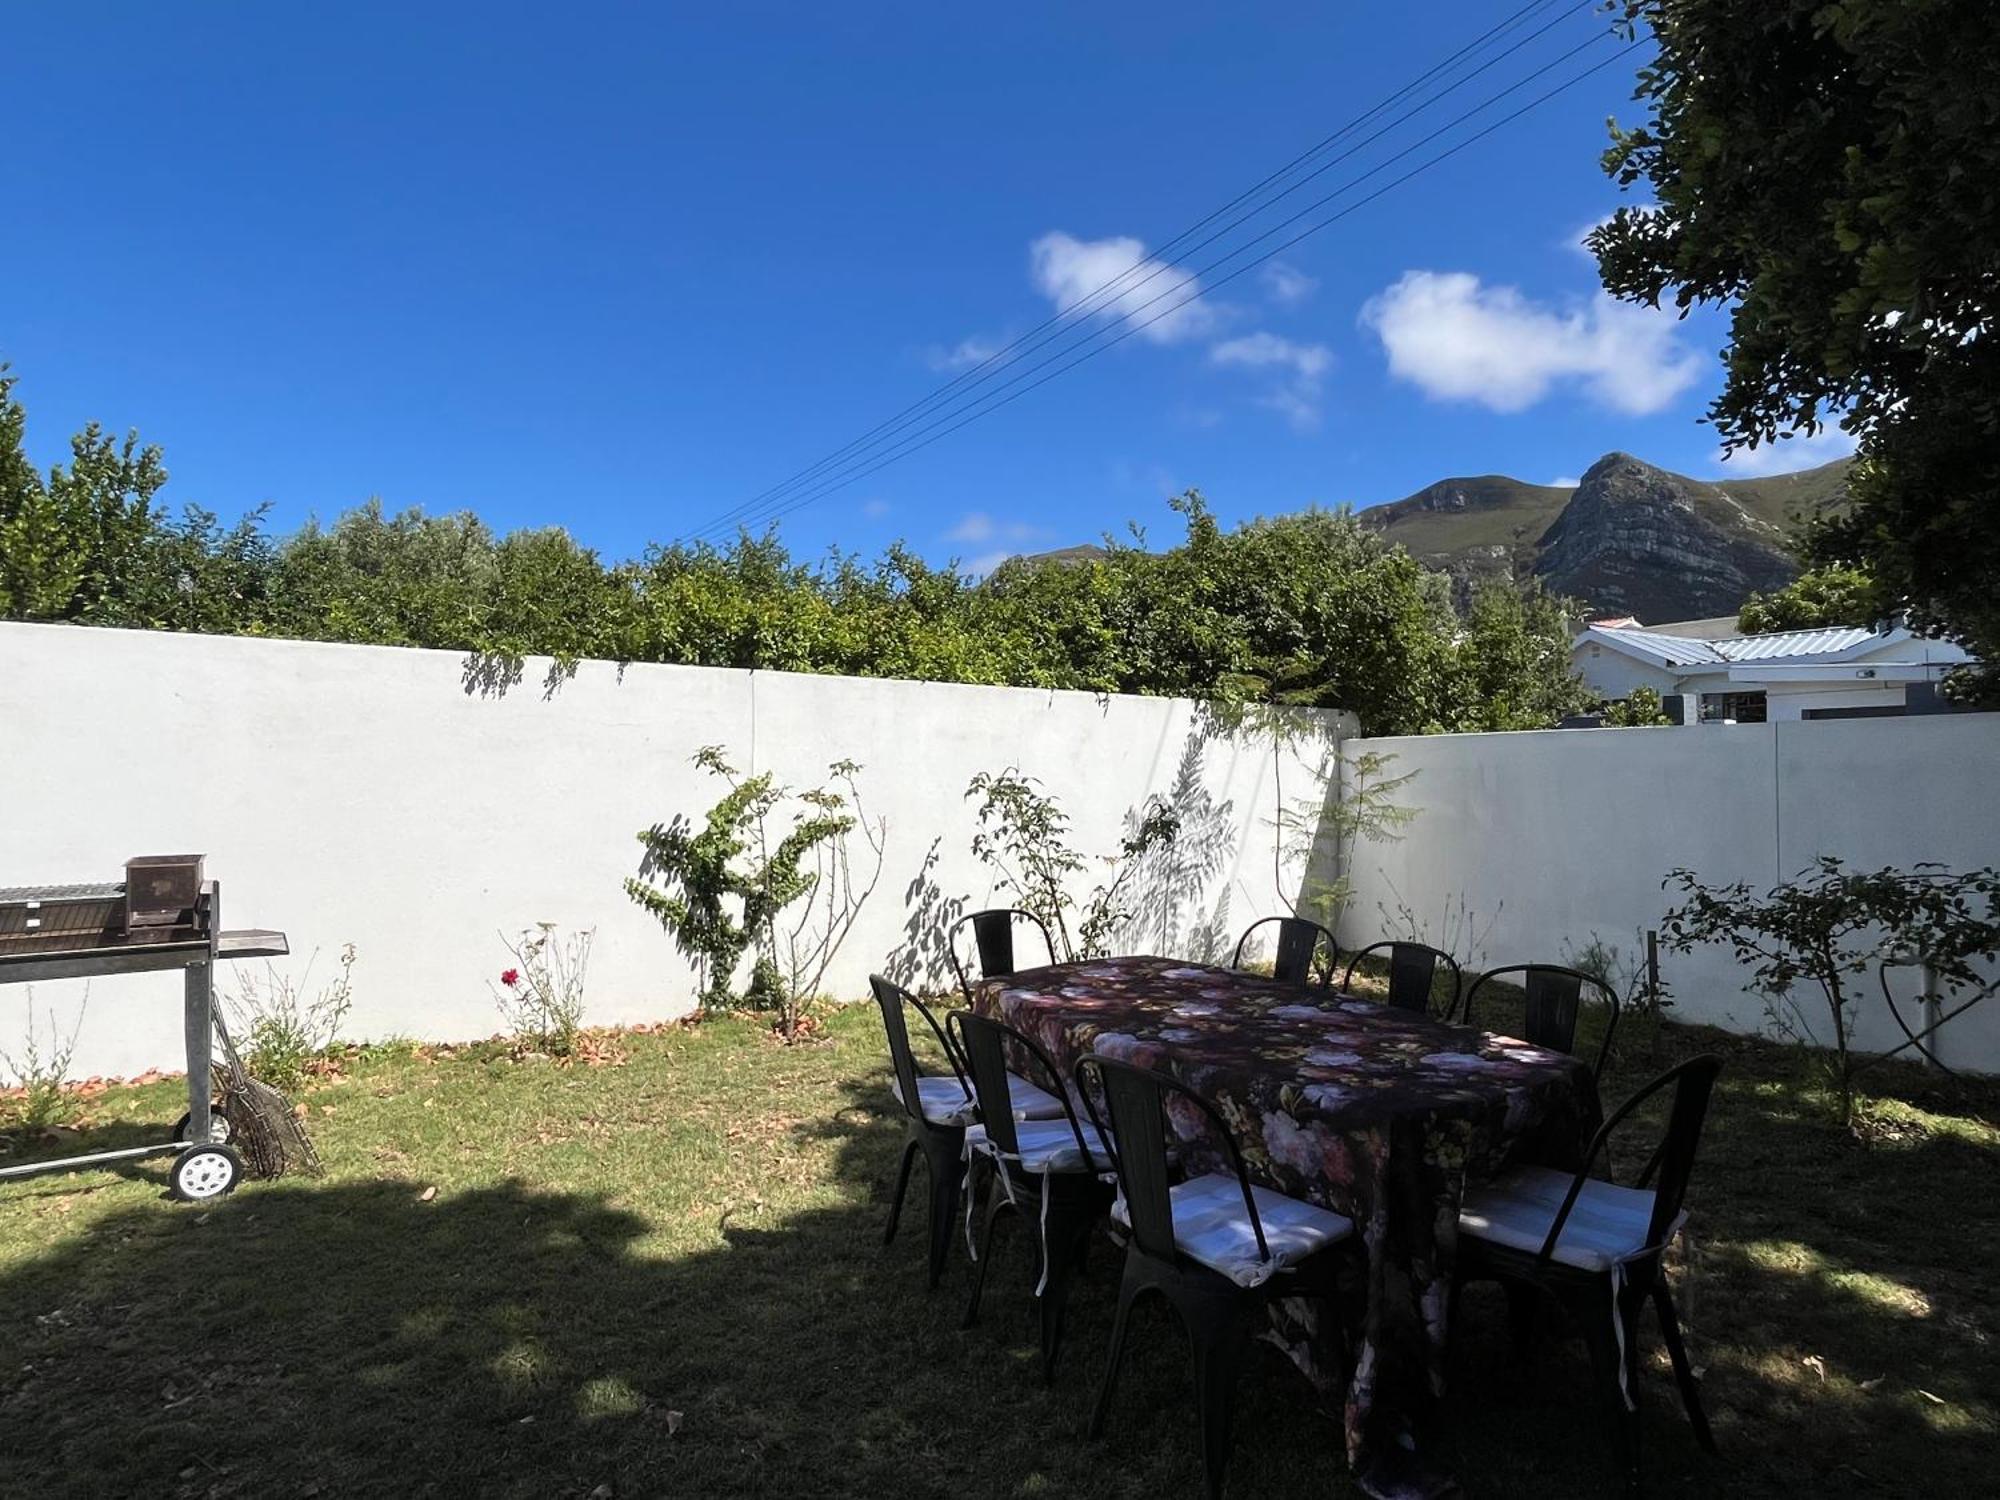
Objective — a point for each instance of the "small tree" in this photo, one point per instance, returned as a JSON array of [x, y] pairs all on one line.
[[1024, 838], [1828, 925], [1640, 709], [725, 885]]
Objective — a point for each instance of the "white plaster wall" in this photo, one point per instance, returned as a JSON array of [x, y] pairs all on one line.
[[1613, 675], [1550, 837], [359, 794]]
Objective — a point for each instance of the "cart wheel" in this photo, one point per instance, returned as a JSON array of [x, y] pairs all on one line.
[[204, 1172], [219, 1128]]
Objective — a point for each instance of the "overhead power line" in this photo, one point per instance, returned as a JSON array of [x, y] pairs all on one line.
[[868, 455], [835, 482], [1161, 258]]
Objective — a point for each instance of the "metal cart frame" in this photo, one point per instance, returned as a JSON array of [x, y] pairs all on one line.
[[196, 957]]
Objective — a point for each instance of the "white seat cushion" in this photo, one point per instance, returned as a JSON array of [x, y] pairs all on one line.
[[1047, 1146], [1212, 1226], [945, 1103], [941, 1100], [1606, 1227]]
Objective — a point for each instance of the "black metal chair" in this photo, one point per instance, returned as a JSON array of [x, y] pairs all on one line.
[[1046, 1170], [1299, 939], [993, 937], [1413, 971], [1554, 1001], [1217, 1247], [937, 1110], [1598, 1249]]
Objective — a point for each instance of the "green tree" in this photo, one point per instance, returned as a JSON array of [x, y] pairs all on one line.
[[1826, 171], [1814, 600], [1640, 709]]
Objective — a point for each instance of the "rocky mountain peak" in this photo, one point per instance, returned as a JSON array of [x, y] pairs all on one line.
[[1658, 545]]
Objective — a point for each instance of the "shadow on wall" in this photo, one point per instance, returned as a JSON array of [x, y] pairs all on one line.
[[1170, 892]]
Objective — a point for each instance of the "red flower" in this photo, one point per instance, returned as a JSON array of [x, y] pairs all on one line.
[[510, 977]]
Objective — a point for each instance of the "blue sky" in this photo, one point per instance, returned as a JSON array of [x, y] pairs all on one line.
[[622, 267]]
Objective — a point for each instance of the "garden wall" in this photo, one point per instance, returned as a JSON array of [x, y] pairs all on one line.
[[1527, 845], [376, 796]]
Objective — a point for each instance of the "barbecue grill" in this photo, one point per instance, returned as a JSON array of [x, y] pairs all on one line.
[[162, 916]]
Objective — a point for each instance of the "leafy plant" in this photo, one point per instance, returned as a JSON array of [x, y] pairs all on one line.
[[1456, 929], [41, 1071], [724, 886], [1023, 836], [286, 1025], [1354, 801], [1628, 975], [1819, 930], [541, 993], [1639, 709]]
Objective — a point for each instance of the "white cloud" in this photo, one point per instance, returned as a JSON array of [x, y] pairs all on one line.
[[1068, 270], [967, 352], [1261, 349], [1786, 455], [1287, 285], [1303, 365], [875, 510], [1458, 340], [1564, 482], [977, 526]]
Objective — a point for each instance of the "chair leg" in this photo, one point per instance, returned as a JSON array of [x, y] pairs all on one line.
[[1595, 1314], [946, 1185], [1218, 1360], [1120, 1324], [1523, 1304], [995, 1202], [902, 1187], [1670, 1331]]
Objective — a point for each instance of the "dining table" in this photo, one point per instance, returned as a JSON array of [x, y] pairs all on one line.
[[1378, 1113]]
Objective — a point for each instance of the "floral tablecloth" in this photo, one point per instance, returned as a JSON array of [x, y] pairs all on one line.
[[1376, 1113]]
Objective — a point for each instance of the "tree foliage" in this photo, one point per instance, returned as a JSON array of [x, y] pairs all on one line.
[[1831, 173], [1307, 609], [1821, 930], [1815, 600]]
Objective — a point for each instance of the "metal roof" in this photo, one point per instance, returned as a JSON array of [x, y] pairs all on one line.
[[1744, 650]]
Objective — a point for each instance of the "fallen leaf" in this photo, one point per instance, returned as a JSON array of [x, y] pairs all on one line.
[[427, 1195], [1817, 1365], [602, 1492], [1869, 1385], [1934, 1400], [673, 1423]]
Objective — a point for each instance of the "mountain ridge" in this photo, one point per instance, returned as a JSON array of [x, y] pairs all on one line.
[[1629, 537]]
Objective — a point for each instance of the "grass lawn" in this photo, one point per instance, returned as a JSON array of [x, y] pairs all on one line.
[[666, 1278]]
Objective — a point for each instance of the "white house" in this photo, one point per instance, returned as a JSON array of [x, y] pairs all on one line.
[[1844, 672]]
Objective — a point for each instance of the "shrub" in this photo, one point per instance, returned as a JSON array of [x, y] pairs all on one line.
[[541, 993], [1827, 925], [41, 1071], [727, 887], [287, 1026]]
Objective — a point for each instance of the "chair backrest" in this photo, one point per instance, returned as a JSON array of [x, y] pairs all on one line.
[[1413, 969], [1136, 1099], [1298, 941], [983, 1043], [1554, 1000], [993, 939], [891, 998], [1672, 1162]]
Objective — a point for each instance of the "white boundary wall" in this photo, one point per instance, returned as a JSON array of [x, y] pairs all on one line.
[[359, 794], [1544, 839]]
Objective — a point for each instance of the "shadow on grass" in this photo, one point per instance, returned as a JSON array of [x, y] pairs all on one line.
[[307, 1338]]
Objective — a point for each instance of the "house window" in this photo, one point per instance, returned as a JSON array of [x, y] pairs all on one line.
[[1744, 708]]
